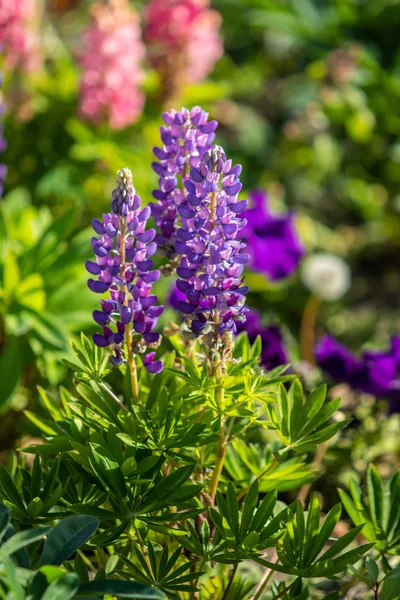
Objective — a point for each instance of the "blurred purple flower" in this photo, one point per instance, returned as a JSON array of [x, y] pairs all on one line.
[[336, 360], [272, 240], [273, 353], [374, 372]]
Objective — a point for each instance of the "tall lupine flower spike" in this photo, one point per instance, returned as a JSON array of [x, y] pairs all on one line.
[[186, 136], [110, 60], [210, 270], [124, 269]]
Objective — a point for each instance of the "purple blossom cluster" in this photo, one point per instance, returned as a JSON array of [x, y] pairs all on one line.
[[124, 269], [210, 245], [375, 372], [186, 136], [273, 243]]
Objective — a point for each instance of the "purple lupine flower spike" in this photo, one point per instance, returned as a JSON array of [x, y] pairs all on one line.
[[123, 247], [186, 137], [209, 240]]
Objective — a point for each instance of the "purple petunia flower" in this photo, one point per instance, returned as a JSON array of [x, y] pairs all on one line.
[[336, 360], [272, 240], [123, 267], [186, 136], [210, 244], [374, 372], [176, 297], [273, 352]]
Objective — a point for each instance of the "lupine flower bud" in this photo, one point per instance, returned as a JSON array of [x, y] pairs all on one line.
[[183, 38], [209, 240], [19, 34], [186, 137], [123, 247], [111, 77]]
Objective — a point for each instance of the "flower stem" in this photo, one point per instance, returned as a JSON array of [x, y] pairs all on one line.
[[307, 328], [274, 463], [213, 210], [268, 573], [113, 396], [221, 448], [230, 582], [128, 331]]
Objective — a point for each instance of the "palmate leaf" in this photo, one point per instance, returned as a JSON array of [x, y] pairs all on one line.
[[302, 422], [37, 493], [305, 538], [245, 462], [378, 509], [67, 537], [164, 571], [248, 530]]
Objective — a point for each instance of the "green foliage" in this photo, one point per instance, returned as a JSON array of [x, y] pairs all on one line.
[[41, 279], [378, 509], [49, 581], [305, 538], [244, 533], [162, 571], [302, 422]]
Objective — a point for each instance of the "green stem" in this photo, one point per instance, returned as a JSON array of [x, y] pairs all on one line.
[[221, 447], [113, 396], [266, 470], [230, 581], [282, 593], [268, 573]]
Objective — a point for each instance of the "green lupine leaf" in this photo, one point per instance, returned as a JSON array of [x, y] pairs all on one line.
[[67, 537], [375, 495], [63, 589], [390, 588], [22, 539]]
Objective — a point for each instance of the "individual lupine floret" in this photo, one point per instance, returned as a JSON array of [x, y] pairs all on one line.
[[186, 136], [213, 257], [124, 268]]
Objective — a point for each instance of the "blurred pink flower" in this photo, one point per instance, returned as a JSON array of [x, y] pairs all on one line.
[[19, 35], [183, 35], [111, 73]]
